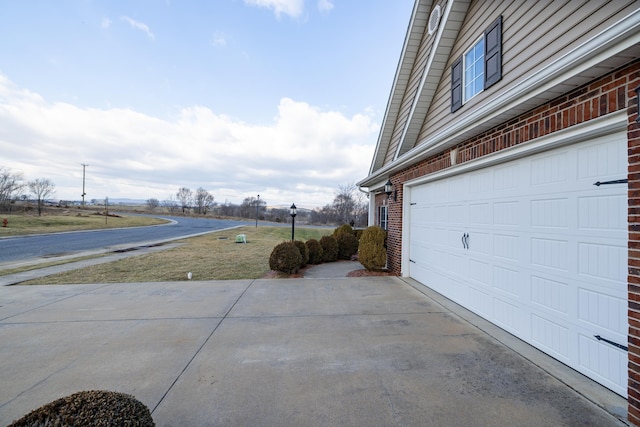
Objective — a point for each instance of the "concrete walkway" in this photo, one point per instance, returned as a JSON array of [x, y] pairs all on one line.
[[381, 351], [332, 270]]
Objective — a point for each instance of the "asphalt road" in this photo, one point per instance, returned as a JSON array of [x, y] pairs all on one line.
[[48, 245]]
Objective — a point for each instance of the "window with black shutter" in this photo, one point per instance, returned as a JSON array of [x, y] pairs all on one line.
[[478, 68]]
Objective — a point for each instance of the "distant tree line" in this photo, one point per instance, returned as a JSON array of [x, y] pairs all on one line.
[[12, 186], [349, 207]]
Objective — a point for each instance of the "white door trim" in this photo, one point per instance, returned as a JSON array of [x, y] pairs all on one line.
[[605, 125]]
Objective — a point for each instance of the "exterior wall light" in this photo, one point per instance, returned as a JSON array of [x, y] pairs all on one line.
[[388, 188]]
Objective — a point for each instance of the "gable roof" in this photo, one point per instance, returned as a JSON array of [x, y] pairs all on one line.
[[432, 71], [612, 47]]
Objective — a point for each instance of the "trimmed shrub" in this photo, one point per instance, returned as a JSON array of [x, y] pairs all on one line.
[[304, 252], [372, 253], [90, 408], [285, 258], [329, 248], [347, 245], [343, 229], [315, 251]]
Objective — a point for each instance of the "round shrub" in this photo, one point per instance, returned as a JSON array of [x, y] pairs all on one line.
[[304, 252], [90, 408], [347, 245], [372, 253], [285, 258], [343, 229], [329, 248], [315, 251]]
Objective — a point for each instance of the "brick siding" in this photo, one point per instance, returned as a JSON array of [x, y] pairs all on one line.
[[610, 93]]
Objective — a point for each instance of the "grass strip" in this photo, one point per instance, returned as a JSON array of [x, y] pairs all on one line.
[[18, 225], [214, 256]]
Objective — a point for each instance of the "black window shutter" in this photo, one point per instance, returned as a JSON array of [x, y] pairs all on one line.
[[456, 85], [493, 53]]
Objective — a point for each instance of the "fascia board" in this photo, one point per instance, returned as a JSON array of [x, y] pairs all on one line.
[[614, 39], [405, 63]]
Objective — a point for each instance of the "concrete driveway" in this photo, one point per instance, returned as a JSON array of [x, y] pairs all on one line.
[[380, 351]]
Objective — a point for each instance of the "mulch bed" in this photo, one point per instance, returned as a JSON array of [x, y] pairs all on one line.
[[300, 274]]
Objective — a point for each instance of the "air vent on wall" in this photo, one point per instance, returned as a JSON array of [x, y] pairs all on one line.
[[434, 19]]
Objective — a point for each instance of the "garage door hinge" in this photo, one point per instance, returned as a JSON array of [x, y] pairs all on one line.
[[617, 181], [615, 344], [410, 260], [414, 203]]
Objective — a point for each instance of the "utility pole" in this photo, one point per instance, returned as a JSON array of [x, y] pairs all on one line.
[[83, 175]]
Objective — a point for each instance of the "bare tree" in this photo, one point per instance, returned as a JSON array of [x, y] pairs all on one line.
[[203, 201], [171, 205], [185, 197], [152, 204], [42, 188], [10, 187], [344, 203]]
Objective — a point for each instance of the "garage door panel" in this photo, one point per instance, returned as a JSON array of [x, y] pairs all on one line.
[[550, 253], [602, 262], [602, 312], [550, 294], [602, 212], [551, 336], [509, 316], [550, 213], [606, 159], [604, 363], [535, 247]]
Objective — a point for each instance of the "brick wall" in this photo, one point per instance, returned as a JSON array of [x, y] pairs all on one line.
[[612, 92], [633, 136]]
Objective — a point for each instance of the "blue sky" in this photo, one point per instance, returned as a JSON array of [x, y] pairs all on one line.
[[282, 98]]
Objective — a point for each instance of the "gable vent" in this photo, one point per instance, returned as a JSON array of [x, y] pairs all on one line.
[[434, 20]]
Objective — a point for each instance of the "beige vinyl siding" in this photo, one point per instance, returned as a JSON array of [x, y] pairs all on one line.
[[535, 33], [426, 44]]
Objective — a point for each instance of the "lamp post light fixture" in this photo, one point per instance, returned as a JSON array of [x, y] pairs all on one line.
[[293, 211], [257, 207]]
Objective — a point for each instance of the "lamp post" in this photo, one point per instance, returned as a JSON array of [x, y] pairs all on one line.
[[257, 206], [293, 211]]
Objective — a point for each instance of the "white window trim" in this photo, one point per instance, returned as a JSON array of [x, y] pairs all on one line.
[[464, 71]]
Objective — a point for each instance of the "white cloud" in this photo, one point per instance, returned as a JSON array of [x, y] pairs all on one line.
[[106, 23], [139, 26], [293, 8], [325, 5], [302, 156], [219, 39]]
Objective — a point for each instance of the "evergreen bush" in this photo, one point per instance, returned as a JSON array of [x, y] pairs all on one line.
[[329, 248], [315, 251], [90, 408], [304, 252], [285, 258], [347, 245], [343, 229], [372, 253]]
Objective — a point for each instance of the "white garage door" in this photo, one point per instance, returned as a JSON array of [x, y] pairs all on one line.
[[536, 248]]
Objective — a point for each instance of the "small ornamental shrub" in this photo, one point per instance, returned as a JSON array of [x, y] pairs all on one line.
[[347, 245], [372, 253], [329, 248], [285, 258], [358, 233], [315, 251], [343, 229], [304, 252], [90, 408]]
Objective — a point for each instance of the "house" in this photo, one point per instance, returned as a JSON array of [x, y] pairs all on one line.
[[511, 150]]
